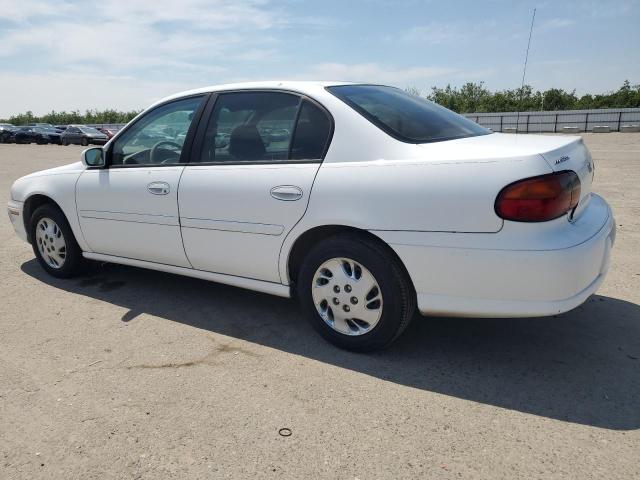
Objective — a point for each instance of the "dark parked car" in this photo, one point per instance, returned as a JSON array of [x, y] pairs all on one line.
[[30, 135], [6, 132], [54, 134], [82, 135]]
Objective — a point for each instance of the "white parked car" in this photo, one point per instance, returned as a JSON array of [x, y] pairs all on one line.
[[365, 203]]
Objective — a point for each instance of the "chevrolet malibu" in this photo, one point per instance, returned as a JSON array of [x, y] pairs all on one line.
[[369, 204]]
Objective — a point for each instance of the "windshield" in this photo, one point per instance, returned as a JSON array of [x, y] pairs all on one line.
[[406, 117]]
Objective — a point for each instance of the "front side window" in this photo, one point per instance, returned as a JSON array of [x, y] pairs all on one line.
[[406, 117], [250, 126], [158, 137]]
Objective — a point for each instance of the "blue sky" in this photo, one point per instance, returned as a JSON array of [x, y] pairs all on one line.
[[126, 54]]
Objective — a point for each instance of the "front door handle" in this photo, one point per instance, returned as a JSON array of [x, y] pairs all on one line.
[[159, 188], [287, 193]]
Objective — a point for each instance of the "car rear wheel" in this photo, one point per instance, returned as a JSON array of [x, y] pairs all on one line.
[[53, 242], [64, 142], [85, 142], [356, 294]]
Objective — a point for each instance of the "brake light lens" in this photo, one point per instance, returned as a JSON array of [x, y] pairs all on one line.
[[539, 199]]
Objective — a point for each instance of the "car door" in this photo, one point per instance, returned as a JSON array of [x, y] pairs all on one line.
[[71, 134], [21, 135], [130, 208], [248, 182]]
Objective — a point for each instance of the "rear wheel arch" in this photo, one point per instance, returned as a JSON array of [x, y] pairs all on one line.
[[307, 240]]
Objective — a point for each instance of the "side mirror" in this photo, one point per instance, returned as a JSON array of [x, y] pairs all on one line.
[[93, 157]]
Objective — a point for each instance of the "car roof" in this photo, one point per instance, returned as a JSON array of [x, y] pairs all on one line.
[[304, 87]]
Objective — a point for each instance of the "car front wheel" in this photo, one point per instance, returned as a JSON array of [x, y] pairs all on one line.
[[53, 242], [356, 293], [85, 142]]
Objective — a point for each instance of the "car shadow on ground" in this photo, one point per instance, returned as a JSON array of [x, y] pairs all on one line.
[[581, 367]]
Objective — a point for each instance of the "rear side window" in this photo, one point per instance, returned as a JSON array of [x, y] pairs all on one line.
[[312, 133], [406, 117], [250, 126], [265, 127]]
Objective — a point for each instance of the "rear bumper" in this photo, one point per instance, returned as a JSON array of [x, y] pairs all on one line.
[[523, 275], [15, 209]]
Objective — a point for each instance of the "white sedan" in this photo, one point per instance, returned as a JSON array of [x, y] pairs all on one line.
[[361, 200]]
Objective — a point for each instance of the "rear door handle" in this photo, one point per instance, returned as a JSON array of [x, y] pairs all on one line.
[[287, 193], [159, 188]]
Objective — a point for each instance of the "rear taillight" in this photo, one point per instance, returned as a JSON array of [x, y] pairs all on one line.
[[539, 199]]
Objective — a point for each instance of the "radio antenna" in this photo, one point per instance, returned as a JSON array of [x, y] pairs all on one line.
[[524, 71]]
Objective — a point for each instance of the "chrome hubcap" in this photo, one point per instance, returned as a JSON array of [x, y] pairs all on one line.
[[51, 244], [347, 296]]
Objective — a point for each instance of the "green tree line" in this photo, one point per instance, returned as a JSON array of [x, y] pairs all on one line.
[[66, 118], [474, 97]]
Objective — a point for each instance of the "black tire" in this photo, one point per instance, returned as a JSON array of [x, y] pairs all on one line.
[[64, 142], [73, 261], [85, 142], [399, 298]]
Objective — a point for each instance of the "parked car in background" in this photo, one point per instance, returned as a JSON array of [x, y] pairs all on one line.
[[372, 203], [39, 125], [53, 133], [82, 135], [26, 134], [6, 132], [62, 128]]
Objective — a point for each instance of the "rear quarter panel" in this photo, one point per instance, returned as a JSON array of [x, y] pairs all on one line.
[[411, 195]]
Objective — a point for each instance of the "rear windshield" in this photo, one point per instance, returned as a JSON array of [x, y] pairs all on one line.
[[406, 117]]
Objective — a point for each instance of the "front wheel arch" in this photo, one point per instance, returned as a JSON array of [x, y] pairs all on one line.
[[30, 206]]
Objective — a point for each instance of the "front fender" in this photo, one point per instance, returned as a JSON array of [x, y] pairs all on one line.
[[60, 188]]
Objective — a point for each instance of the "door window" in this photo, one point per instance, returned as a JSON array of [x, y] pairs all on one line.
[[312, 133], [158, 137], [250, 126]]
